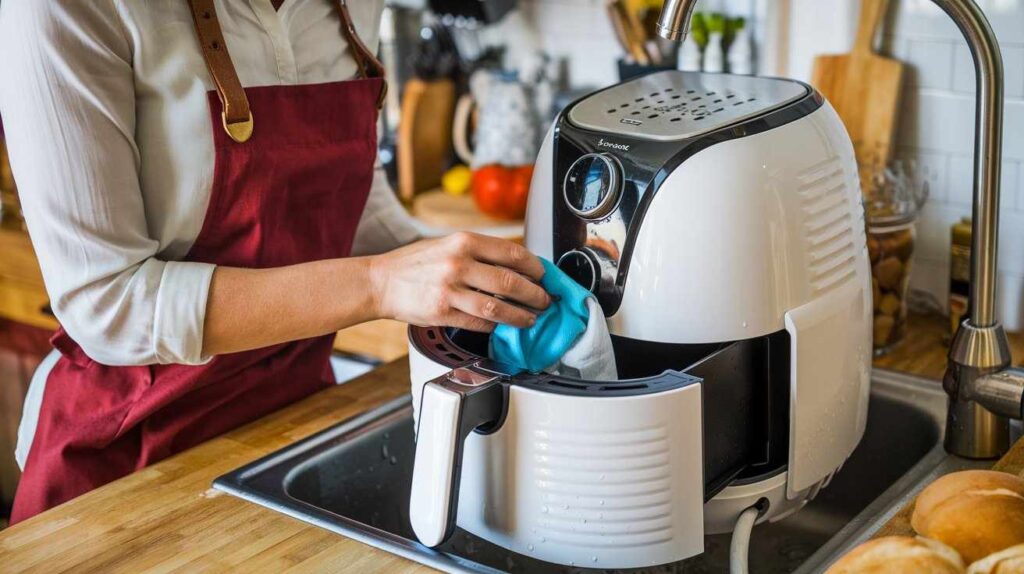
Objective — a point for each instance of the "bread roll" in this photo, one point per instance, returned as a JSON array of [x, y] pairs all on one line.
[[977, 522], [957, 483], [899, 555], [1009, 561]]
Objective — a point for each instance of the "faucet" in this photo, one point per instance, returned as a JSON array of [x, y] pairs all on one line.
[[984, 390]]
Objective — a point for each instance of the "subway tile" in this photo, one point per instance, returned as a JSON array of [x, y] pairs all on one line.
[[961, 183], [1010, 300], [1013, 66], [937, 121], [930, 63], [1011, 242], [923, 19]]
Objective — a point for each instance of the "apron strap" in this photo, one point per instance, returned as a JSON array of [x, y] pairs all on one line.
[[236, 114]]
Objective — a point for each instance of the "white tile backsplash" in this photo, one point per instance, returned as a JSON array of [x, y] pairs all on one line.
[[937, 121], [1013, 67], [931, 63]]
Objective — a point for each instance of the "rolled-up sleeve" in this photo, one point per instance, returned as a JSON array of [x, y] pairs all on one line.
[[68, 104]]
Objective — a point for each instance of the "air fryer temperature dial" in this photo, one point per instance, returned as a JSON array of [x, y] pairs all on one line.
[[582, 267], [592, 185]]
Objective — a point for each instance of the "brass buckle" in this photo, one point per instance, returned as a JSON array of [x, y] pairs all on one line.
[[238, 131]]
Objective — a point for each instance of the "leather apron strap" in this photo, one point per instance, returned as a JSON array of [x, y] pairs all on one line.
[[236, 115]]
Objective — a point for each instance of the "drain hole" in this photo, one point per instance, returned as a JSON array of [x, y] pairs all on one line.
[[691, 91], [670, 89], [731, 96], [646, 108], [675, 119], [611, 111], [697, 99], [654, 94], [738, 104], [676, 97], [567, 385], [624, 106], [639, 99], [634, 113], [453, 356], [652, 116], [614, 387]]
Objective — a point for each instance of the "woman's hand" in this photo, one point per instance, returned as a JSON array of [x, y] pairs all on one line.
[[462, 280]]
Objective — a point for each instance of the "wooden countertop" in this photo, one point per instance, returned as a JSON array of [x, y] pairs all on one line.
[[167, 518]]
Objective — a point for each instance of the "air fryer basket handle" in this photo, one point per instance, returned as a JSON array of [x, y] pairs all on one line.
[[451, 407]]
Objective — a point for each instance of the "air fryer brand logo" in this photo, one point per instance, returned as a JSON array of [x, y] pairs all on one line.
[[620, 147]]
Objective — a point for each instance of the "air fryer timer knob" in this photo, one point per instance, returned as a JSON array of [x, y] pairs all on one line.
[[592, 184]]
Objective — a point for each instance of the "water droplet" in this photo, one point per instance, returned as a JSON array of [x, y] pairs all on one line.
[[384, 452], [572, 563], [567, 507], [584, 521], [544, 510], [601, 503], [593, 558], [602, 477], [530, 547], [387, 435], [543, 539], [394, 459], [744, 324]]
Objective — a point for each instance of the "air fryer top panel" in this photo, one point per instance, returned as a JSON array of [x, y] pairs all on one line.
[[673, 105]]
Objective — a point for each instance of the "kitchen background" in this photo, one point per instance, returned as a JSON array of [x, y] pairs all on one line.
[[936, 116], [935, 129]]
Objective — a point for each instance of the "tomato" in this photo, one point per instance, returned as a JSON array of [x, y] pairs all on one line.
[[501, 191]]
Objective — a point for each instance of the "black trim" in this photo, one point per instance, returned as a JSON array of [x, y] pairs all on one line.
[[645, 167]]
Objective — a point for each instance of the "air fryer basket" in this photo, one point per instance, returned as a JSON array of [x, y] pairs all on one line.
[[744, 385]]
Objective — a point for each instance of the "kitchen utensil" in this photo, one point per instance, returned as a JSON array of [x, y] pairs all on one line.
[[627, 32], [864, 88], [424, 135], [717, 220]]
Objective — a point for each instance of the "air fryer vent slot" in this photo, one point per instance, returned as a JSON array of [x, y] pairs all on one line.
[[677, 105], [828, 225]]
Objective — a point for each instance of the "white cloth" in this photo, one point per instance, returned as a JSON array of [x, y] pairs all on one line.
[[591, 357], [108, 127]]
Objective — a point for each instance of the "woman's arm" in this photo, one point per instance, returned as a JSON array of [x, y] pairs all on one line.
[[444, 281]]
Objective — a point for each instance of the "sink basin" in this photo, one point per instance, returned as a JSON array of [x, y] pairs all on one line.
[[354, 479]]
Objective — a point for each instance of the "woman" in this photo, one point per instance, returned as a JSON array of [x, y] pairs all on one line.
[[196, 236]]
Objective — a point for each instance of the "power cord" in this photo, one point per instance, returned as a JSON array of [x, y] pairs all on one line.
[[739, 548]]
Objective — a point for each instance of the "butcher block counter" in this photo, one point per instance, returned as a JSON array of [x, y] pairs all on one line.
[[167, 518]]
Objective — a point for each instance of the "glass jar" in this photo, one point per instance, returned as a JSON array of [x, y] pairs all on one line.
[[891, 248]]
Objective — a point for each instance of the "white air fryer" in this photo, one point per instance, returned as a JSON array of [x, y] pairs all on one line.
[[718, 220]]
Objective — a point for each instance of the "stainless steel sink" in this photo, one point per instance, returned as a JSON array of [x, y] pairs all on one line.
[[354, 479]]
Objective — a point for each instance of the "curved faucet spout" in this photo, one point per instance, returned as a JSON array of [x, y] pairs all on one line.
[[980, 350]]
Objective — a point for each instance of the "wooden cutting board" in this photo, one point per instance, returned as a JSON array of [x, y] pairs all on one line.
[[864, 88]]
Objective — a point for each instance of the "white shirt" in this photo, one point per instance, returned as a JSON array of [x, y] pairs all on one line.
[[106, 116]]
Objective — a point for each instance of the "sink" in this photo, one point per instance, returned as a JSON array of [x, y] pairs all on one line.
[[354, 479]]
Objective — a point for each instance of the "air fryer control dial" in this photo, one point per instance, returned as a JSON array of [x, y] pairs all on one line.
[[592, 185], [581, 267]]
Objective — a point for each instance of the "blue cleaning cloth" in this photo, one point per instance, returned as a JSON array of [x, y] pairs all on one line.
[[557, 328]]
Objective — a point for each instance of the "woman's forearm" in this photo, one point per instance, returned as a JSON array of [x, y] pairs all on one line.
[[254, 308]]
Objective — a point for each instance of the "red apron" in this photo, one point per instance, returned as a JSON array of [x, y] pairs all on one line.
[[294, 165]]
